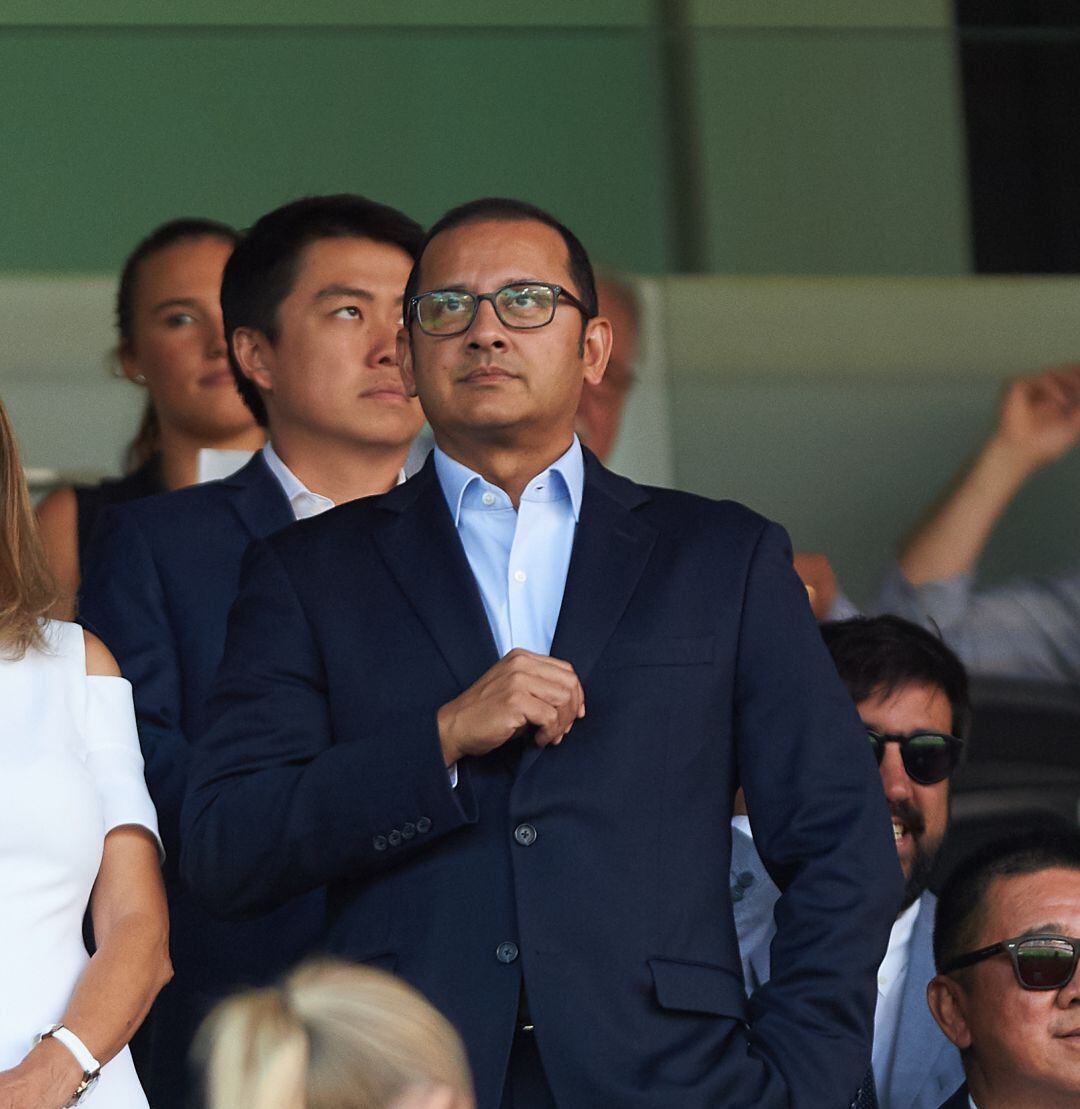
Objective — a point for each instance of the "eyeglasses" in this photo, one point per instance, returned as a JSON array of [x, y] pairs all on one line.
[[451, 311], [929, 757], [1042, 962]]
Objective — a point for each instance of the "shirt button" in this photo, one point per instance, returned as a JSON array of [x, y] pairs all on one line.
[[423, 825], [506, 952], [520, 575], [745, 879], [736, 894], [525, 834], [379, 843], [488, 498]]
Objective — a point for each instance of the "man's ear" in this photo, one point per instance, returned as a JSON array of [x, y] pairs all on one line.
[[405, 361], [254, 356], [596, 348], [948, 1002]]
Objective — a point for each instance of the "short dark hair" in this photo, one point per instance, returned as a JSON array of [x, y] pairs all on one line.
[[881, 654], [262, 269], [509, 210], [161, 238], [961, 906]]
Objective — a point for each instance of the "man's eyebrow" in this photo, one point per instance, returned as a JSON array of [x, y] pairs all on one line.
[[176, 302], [344, 291], [1041, 929]]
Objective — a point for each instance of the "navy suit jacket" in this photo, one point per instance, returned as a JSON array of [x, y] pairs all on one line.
[[162, 574], [959, 1100], [702, 668], [927, 1065]]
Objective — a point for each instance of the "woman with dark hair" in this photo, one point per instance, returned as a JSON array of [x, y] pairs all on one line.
[[77, 829], [172, 343]]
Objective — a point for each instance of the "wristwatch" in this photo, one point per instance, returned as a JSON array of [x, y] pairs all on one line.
[[91, 1067]]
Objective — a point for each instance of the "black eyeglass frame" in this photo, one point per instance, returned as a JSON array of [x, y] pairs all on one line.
[[1012, 947], [558, 293], [953, 744]]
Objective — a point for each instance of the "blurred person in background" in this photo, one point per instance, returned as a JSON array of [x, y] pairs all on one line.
[[312, 303], [77, 829], [1006, 945], [600, 409], [171, 343], [333, 1036], [1027, 629]]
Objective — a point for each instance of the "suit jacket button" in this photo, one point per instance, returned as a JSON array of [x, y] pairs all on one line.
[[408, 830], [525, 834], [379, 843], [394, 838], [506, 952], [423, 825]]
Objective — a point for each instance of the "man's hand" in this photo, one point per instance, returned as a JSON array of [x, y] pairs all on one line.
[[521, 690], [820, 580], [1039, 420]]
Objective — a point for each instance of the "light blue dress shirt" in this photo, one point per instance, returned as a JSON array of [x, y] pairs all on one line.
[[519, 557]]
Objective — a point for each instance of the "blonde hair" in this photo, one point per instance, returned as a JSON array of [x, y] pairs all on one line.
[[333, 1036], [27, 590]]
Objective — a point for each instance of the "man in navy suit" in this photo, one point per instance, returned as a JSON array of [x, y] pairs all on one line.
[[1006, 946], [312, 306], [501, 712], [911, 693]]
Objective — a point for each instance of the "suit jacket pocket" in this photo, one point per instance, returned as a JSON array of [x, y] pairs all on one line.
[[699, 988], [687, 650]]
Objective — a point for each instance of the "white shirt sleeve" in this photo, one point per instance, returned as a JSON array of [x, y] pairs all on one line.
[[114, 758]]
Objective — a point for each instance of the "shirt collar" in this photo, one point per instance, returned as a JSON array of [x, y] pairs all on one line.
[[296, 492], [456, 478], [293, 488]]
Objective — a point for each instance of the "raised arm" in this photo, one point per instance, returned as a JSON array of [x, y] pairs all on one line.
[[822, 828], [1038, 423]]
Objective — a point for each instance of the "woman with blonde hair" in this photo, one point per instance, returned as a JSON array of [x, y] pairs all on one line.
[[77, 828], [333, 1036]]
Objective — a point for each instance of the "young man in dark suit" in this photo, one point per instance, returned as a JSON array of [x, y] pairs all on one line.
[[312, 306], [502, 710]]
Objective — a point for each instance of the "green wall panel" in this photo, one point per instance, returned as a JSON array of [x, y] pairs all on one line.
[[831, 151], [108, 131]]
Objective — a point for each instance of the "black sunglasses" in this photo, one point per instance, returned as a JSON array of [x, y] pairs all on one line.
[[1041, 962], [929, 757], [523, 306]]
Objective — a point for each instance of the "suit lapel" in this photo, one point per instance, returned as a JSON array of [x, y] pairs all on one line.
[[258, 499], [425, 556], [920, 1043], [611, 547]]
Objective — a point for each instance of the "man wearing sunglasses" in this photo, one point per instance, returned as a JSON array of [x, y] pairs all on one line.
[[911, 693], [501, 713], [1006, 944]]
